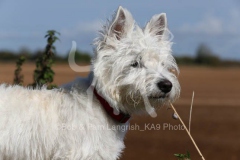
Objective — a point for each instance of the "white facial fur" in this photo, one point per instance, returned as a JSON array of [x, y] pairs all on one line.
[[130, 61]]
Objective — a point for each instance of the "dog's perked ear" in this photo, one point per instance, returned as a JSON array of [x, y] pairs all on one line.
[[121, 24], [157, 25]]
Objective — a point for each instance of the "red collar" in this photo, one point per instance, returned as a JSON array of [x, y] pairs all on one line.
[[121, 117]]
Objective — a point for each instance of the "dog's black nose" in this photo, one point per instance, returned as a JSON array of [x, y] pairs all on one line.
[[165, 86]]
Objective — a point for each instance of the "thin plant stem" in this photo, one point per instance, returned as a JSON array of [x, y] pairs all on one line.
[[188, 132], [190, 115]]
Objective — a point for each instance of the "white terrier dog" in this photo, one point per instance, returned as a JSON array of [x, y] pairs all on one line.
[[133, 71]]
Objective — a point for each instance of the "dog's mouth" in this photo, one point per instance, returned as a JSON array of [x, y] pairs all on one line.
[[157, 96]]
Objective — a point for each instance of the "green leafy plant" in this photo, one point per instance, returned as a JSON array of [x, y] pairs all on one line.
[[43, 74], [183, 156], [18, 77]]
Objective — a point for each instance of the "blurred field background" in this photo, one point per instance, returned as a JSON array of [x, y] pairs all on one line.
[[215, 117], [206, 47]]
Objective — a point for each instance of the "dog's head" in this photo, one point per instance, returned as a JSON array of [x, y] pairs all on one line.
[[133, 65]]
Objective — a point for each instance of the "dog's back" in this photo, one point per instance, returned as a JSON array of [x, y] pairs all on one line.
[[51, 124]]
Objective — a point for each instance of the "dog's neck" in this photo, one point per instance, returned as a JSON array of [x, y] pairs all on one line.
[[119, 117]]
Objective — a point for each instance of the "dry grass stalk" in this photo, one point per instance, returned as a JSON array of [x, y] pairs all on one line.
[[190, 115], [188, 132]]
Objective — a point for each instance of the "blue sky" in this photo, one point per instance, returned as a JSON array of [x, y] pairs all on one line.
[[215, 23]]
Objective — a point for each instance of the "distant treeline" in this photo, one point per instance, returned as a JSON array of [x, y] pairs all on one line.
[[204, 56], [9, 56], [206, 61]]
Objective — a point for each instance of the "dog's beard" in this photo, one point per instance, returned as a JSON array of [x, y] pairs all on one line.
[[135, 101]]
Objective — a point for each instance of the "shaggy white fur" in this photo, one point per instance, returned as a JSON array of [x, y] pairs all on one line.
[[132, 67], [51, 124]]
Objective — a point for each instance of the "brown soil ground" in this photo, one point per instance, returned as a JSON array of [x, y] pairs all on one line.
[[215, 118]]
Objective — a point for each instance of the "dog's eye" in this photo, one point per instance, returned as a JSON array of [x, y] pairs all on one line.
[[135, 64]]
